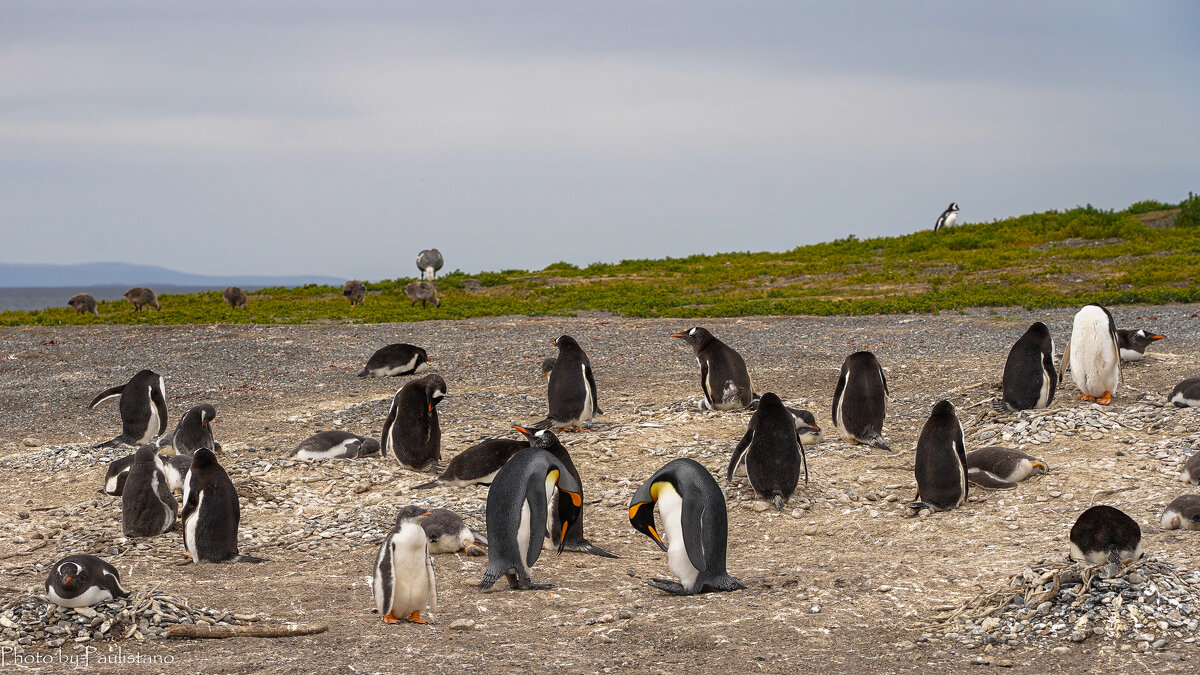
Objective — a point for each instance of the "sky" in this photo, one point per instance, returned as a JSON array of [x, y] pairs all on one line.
[[341, 138]]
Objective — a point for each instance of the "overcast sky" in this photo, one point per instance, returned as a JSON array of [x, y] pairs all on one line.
[[341, 138]]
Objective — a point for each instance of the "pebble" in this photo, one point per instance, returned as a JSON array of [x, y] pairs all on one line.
[[31, 443], [462, 624]]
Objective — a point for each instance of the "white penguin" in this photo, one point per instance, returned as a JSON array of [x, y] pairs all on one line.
[[1092, 355], [404, 584]]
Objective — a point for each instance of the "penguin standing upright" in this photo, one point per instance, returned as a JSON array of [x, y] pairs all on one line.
[[1029, 376], [398, 359], [404, 583], [143, 407], [411, 431], [211, 513], [478, 464], [517, 508], [147, 506], [571, 539], [82, 580], [695, 520], [941, 462], [1103, 534], [948, 217], [772, 452], [860, 399], [335, 444], [1131, 344], [723, 375], [571, 391], [1092, 355], [448, 533], [192, 431]]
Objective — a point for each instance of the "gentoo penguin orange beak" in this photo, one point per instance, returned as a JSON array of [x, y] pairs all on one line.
[[1156, 337], [67, 579], [554, 342], [521, 429], [678, 335]]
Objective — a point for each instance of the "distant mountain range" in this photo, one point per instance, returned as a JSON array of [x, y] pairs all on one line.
[[22, 275]]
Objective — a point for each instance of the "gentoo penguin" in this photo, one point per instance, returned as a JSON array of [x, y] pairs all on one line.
[[141, 297], [411, 431], [1092, 356], [772, 452], [806, 427], [1103, 534], [1131, 344], [423, 292], [561, 502], [192, 431], [693, 513], [1191, 470], [1186, 394], [517, 508], [723, 375], [335, 445], [447, 533], [174, 469], [859, 400], [571, 391], [403, 582], [429, 262], [998, 468], [83, 303], [211, 513], [478, 464], [1029, 376], [147, 506], [548, 365], [941, 462], [143, 407], [355, 291], [235, 296], [948, 217], [1182, 513], [81, 580], [397, 359]]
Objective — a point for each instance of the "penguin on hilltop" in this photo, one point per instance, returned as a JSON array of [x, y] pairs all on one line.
[[397, 359], [860, 399], [404, 583], [82, 580], [560, 502], [1029, 376], [211, 513], [1131, 344], [999, 468], [447, 533], [948, 217], [723, 375], [143, 408], [571, 391], [1191, 469], [695, 521], [1182, 513], [147, 506], [412, 432], [174, 469], [335, 444], [941, 461], [517, 509], [1092, 355], [1186, 394], [192, 431], [772, 452], [478, 464], [1103, 534]]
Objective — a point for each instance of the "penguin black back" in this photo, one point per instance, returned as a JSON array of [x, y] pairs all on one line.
[[571, 391], [211, 513], [723, 374], [412, 432], [1104, 534], [193, 430], [1131, 344], [478, 464], [82, 580], [143, 407], [860, 400], [941, 461], [398, 359], [147, 506], [1029, 373], [772, 452]]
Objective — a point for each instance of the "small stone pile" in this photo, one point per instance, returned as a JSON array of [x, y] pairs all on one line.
[[31, 622], [1146, 604]]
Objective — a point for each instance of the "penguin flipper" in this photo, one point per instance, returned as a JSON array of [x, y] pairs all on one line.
[[591, 383], [158, 401], [365, 372], [739, 453], [535, 493], [425, 486], [876, 441], [113, 442], [1065, 362], [672, 587], [433, 596], [107, 394], [489, 579], [989, 480], [837, 392], [480, 538], [385, 437], [692, 522], [544, 424]]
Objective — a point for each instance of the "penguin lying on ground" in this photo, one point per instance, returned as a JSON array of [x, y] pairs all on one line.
[[860, 399], [412, 432], [723, 375], [941, 462], [82, 580], [1191, 469], [1092, 355], [1103, 534], [571, 390], [478, 464], [999, 468], [772, 452], [147, 506], [174, 468], [404, 583], [143, 408], [397, 359], [1186, 394], [447, 533], [1029, 377], [1131, 344], [1182, 513], [334, 444], [695, 521], [211, 513], [806, 427], [192, 431]]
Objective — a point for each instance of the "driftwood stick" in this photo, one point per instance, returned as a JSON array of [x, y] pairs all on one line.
[[219, 632]]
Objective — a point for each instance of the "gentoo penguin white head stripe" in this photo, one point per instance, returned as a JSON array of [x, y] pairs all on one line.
[[1182, 513], [81, 580], [335, 444], [860, 399], [695, 520], [404, 583], [571, 391], [1103, 534], [1092, 355], [211, 513], [147, 506], [143, 408], [1029, 374], [412, 432], [948, 217], [772, 452], [397, 359], [723, 374], [941, 462], [999, 468], [1132, 344]]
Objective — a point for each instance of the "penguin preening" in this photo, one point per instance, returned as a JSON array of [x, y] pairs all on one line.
[[1191, 469], [448, 533], [517, 509], [404, 583], [941, 462], [148, 507], [723, 375], [1103, 534], [571, 390], [1186, 394], [1029, 376], [570, 539], [1182, 513], [860, 399], [948, 217], [1131, 344], [335, 444], [412, 432], [82, 580], [772, 452], [478, 464], [143, 408], [999, 468], [211, 513], [192, 431], [429, 262], [696, 524], [1092, 355], [397, 359]]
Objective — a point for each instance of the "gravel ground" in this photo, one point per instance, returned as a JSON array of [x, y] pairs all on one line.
[[844, 579]]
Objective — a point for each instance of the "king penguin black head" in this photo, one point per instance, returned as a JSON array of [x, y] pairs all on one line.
[[641, 511]]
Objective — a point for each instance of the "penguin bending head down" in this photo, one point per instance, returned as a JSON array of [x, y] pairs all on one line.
[[478, 464], [571, 391], [860, 399], [1186, 394], [211, 513], [1182, 513], [448, 533], [1191, 469], [82, 580], [941, 462], [398, 359], [192, 431], [723, 375], [335, 444], [403, 583], [1092, 355], [695, 521], [1131, 344], [772, 452], [412, 432], [999, 468], [143, 408], [1103, 534], [1029, 376]]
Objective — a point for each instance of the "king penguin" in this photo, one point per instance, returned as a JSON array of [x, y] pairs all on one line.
[[1029, 376], [397, 359], [412, 432], [941, 462], [999, 468], [147, 506], [192, 431], [772, 452], [948, 217], [82, 580], [211, 513], [1103, 534], [1092, 355], [694, 517], [723, 375], [143, 407], [478, 464], [1131, 344], [859, 400], [404, 583], [517, 508], [571, 391]]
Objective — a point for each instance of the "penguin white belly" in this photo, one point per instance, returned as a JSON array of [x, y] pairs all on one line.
[[670, 505], [523, 537], [89, 597], [189, 529], [1131, 355], [588, 405], [962, 472], [174, 478], [410, 367], [336, 452], [840, 421], [1095, 364], [1184, 402], [1047, 387], [152, 425], [951, 218], [410, 587]]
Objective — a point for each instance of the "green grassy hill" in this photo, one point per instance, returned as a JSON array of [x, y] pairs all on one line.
[[1148, 253]]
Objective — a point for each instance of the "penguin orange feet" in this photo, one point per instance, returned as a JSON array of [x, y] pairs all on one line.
[[388, 618], [1085, 397], [1105, 399], [415, 617]]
